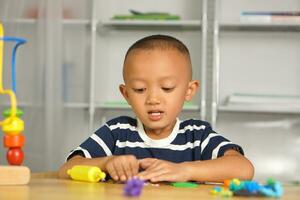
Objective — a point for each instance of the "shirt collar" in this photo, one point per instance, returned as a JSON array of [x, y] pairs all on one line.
[[161, 142]]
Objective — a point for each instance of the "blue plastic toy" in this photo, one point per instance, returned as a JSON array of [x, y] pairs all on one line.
[[250, 188]]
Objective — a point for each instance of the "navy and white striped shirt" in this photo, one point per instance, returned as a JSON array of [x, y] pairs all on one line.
[[190, 140]]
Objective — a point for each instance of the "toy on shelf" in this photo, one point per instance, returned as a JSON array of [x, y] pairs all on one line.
[[86, 173], [249, 188], [133, 187], [137, 15], [12, 126]]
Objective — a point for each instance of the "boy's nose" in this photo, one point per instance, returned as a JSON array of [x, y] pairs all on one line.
[[152, 98], [152, 101]]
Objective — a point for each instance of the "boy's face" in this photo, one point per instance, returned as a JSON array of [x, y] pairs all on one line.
[[157, 82]]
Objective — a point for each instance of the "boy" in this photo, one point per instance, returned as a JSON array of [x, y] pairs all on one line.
[[157, 146]]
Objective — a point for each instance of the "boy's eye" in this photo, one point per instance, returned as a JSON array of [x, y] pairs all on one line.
[[139, 90], [168, 89]]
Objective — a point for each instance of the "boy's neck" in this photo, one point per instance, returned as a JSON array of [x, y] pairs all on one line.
[[158, 134]]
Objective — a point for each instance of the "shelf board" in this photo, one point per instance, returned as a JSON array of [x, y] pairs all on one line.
[[67, 105], [76, 105], [76, 22], [19, 104], [28, 21], [260, 109], [125, 106], [25, 21], [260, 26], [195, 24]]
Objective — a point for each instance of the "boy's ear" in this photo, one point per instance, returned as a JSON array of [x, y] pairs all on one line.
[[192, 89], [123, 91]]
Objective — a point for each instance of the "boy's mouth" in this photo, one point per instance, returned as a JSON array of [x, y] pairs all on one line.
[[155, 115]]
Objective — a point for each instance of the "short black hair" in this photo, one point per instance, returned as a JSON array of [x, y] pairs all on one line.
[[163, 42]]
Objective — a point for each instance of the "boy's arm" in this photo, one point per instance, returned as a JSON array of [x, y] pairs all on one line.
[[121, 167], [231, 165]]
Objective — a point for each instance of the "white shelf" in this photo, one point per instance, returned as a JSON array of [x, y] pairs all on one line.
[[125, 106], [19, 104], [76, 22], [239, 102], [20, 21], [196, 24], [76, 105], [261, 26], [260, 109], [35, 21], [67, 105]]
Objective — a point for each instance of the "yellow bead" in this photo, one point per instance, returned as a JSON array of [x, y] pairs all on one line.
[[236, 181], [86, 173], [214, 192], [13, 126]]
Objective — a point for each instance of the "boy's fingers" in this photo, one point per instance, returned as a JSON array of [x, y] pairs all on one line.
[[149, 174], [163, 177], [155, 165], [146, 162], [127, 170], [112, 172], [134, 166], [120, 171]]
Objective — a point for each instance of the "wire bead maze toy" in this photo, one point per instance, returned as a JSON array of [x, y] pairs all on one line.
[[12, 125]]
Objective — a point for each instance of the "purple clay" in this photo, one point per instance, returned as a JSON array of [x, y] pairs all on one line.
[[133, 187]]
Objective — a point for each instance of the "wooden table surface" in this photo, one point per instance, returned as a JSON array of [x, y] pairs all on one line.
[[47, 187]]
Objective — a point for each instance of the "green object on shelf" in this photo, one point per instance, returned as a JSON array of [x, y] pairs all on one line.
[[189, 104], [146, 17], [137, 15], [185, 184], [116, 104], [6, 112]]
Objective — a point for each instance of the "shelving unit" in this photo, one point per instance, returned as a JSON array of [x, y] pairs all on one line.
[[76, 105], [259, 109], [259, 59], [107, 39], [237, 51], [263, 26], [125, 106], [30, 21], [184, 24]]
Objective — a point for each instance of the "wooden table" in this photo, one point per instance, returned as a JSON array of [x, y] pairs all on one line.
[[46, 187]]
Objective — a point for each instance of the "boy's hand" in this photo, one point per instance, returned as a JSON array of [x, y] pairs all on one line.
[[159, 170], [122, 167]]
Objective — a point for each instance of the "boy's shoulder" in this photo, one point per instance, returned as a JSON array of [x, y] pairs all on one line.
[[194, 123], [122, 120]]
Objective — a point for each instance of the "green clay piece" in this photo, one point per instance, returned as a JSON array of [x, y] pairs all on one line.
[[6, 112], [185, 184], [270, 181]]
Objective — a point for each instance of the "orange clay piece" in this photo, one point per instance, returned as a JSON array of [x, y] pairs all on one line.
[[227, 182]]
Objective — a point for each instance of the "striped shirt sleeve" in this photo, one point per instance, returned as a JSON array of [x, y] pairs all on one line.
[[214, 145], [99, 144]]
